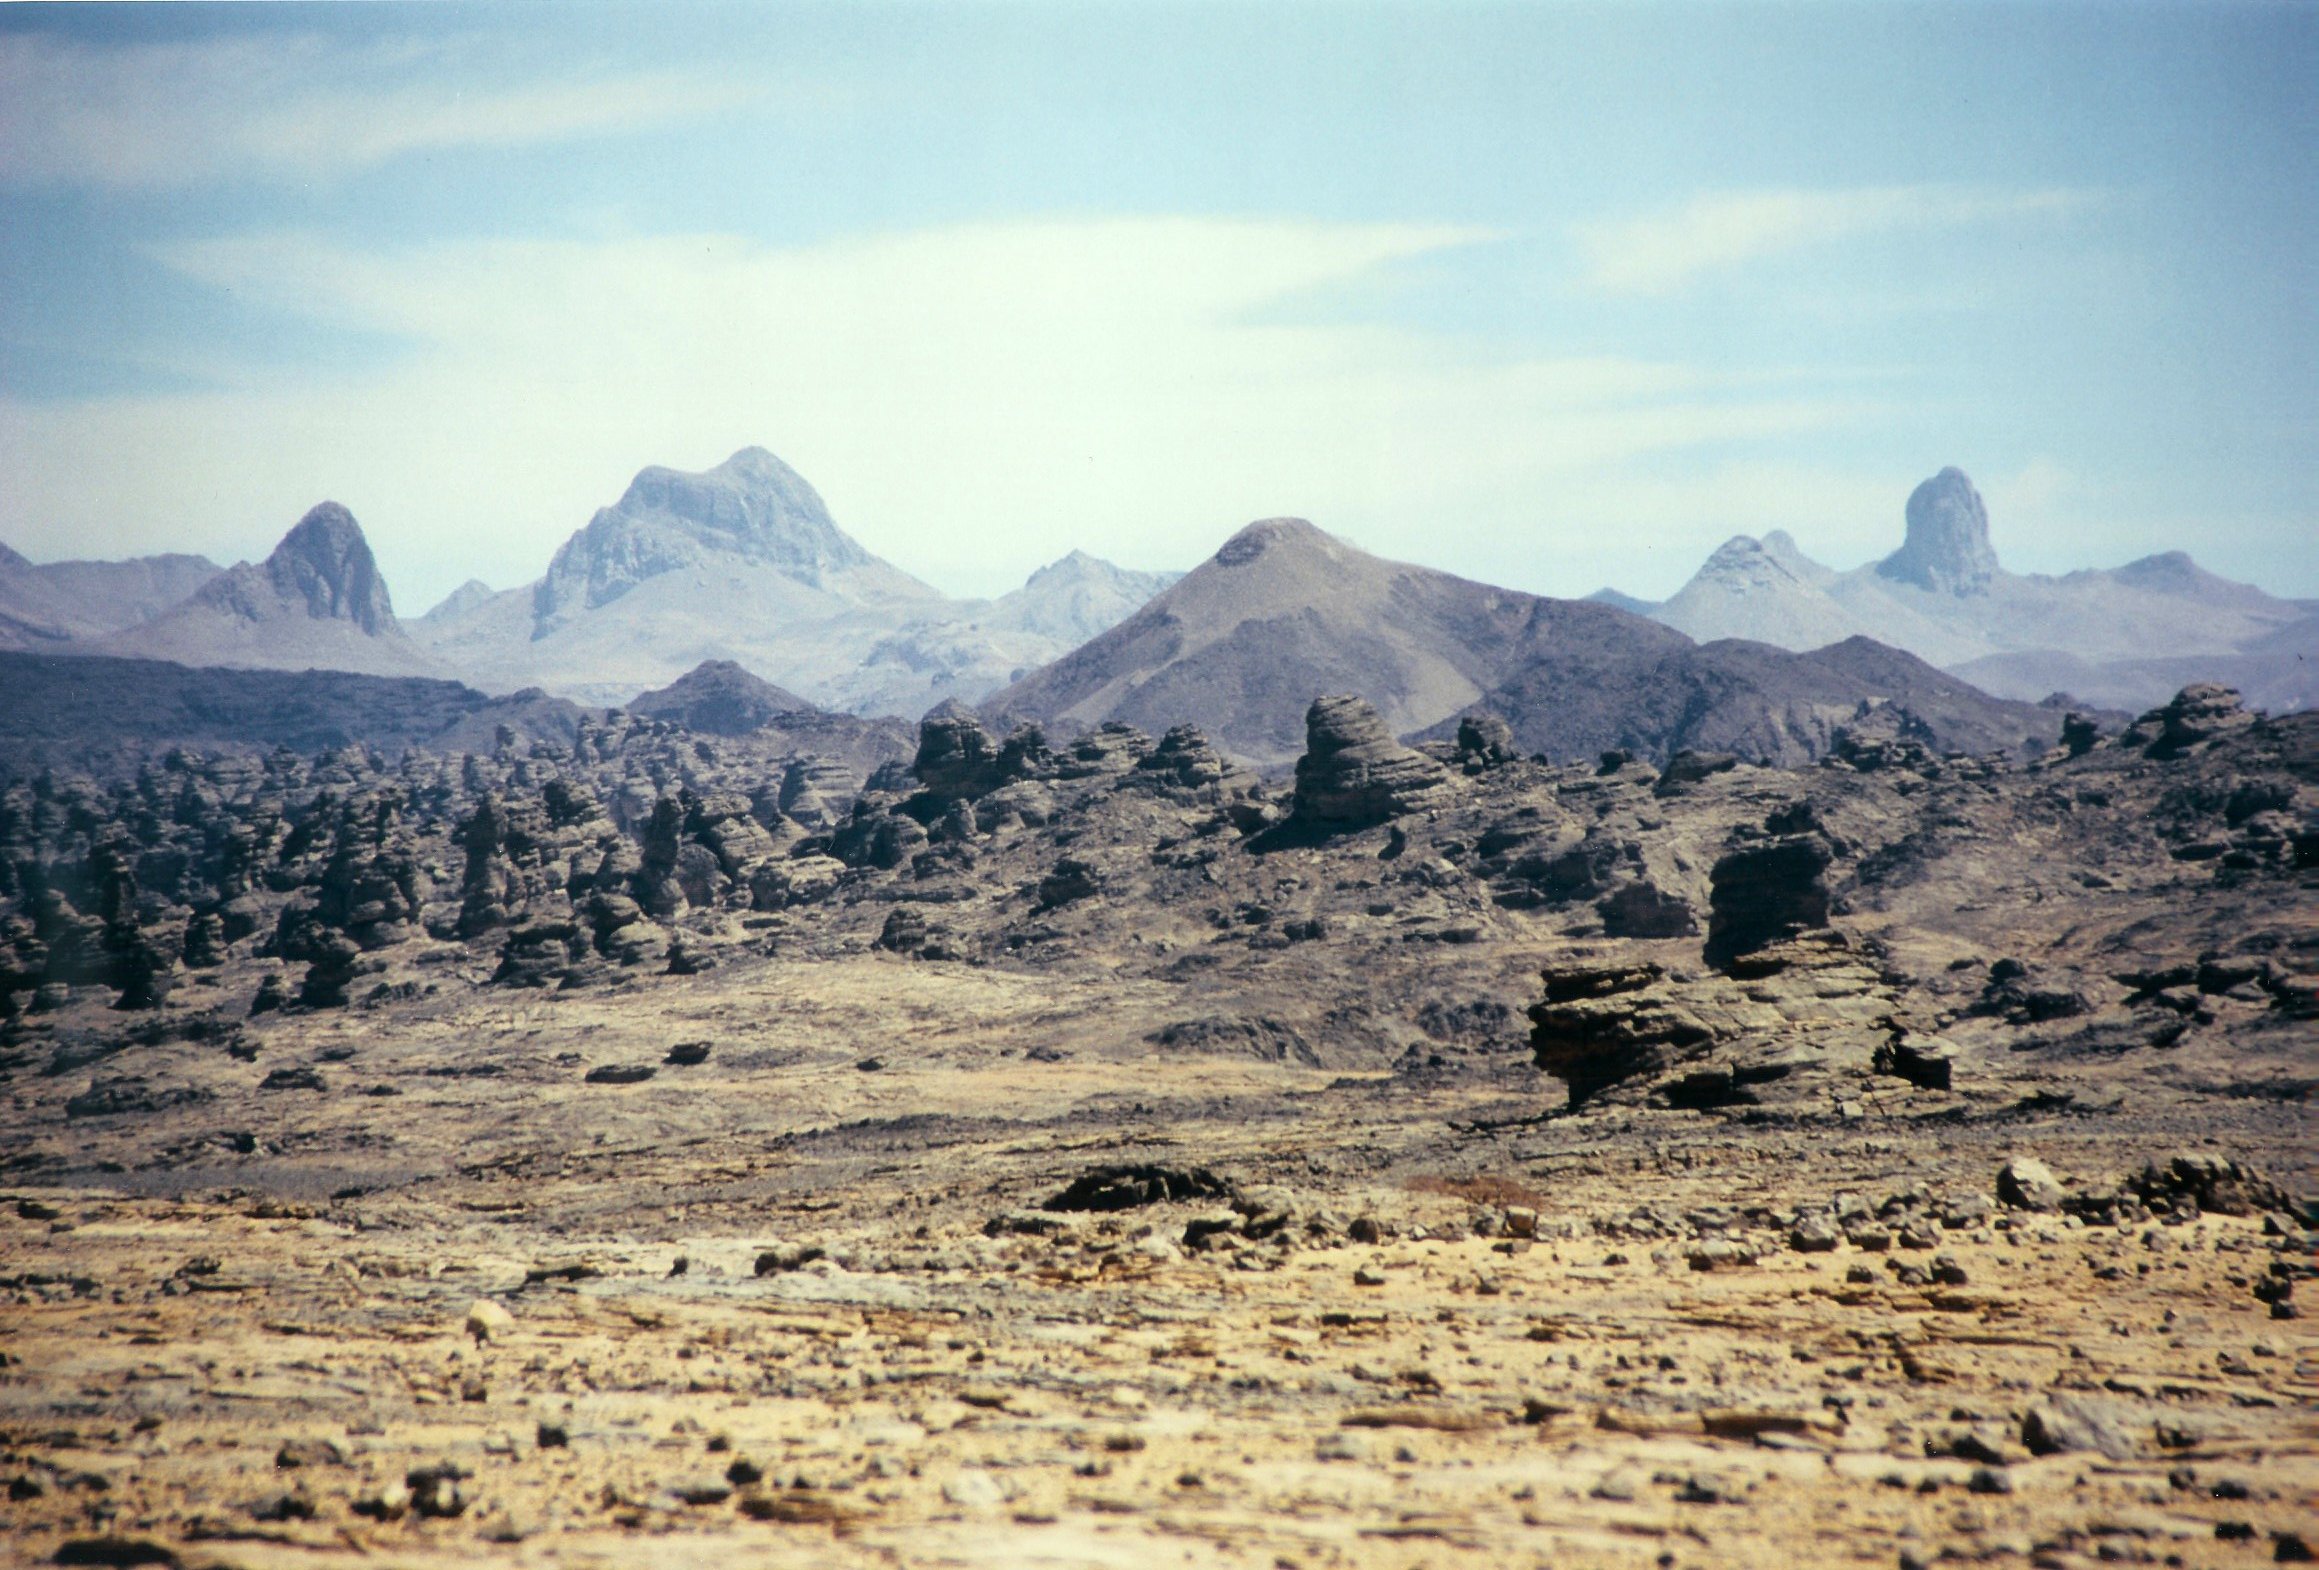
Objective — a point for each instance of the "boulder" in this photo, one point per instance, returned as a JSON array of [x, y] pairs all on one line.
[[1070, 881], [2025, 1183], [1484, 742], [2212, 1184], [1688, 767], [1644, 910], [802, 880]]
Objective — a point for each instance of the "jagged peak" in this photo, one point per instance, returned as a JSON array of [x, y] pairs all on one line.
[[1075, 564], [1947, 546], [326, 561]]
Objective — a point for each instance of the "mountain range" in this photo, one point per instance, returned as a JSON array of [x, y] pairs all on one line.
[[1285, 611], [2123, 637], [51, 606], [730, 601], [743, 563]]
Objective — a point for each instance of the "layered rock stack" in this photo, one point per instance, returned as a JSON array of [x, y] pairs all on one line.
[[140, 969], [1183, 763], [1770, 886], [956, 756], [815, 792], [2200, 713], [1354, 773], [656, 886]]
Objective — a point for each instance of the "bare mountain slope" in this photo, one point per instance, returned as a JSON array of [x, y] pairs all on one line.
[[93, 712], [49, 605], [1283, 612], [719, 698]]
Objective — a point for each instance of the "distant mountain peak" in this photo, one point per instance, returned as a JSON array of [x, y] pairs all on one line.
[[752, 505], [459, 601], [325, 564], [721, 698], [1269, 534], [1947, 548]]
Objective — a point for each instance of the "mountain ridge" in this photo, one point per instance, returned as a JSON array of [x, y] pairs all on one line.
[[2124, 634], [1283, 611]]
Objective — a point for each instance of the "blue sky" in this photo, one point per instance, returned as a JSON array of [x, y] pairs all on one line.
[[1548, 295]]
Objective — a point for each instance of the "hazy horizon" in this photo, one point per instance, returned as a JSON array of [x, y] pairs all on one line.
[[1552, 297]]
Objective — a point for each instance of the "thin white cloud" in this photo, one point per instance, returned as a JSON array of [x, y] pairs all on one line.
[[293, 107], [972, 401], [1662, 252]]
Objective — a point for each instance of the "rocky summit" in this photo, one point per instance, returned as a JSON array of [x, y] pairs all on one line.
[[317, 601], [1947, 548]]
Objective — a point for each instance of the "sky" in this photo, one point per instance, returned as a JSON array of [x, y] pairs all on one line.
[[1554, 296]]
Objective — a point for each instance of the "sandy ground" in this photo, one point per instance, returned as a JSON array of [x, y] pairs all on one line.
[[255, 1340]]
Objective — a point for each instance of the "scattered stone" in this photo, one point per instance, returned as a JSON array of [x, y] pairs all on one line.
[[2025, 1183], [620, 1073], [1814, 1235], [488, 1321], [1131, 1187], [782, 1258], [113, 1551], [2062, 1423]]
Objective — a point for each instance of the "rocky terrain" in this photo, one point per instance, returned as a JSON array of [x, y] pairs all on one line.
[[2124, 637], [1073, 1148]]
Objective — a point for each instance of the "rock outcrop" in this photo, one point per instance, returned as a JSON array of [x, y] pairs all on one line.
[[1353, 773], [2197, 715], [1767, 887], [956, 756], [1804, 1033]]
